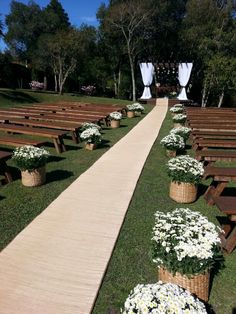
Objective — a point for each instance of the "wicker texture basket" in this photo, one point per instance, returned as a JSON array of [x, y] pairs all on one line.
[[115, 124], [198, 284], [90, 146], [183, 192], [177, 125], [130, 114], [170, 153], [33, 178]]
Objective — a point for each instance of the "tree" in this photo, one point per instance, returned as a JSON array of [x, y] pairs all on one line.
[[55, 17], [209, 37], [130, 19], [62, 52], [25, 25]]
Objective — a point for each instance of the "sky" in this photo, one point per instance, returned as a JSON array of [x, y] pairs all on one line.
[[79, 11]]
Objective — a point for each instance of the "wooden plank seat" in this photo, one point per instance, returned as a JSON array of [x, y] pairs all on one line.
[[227, 205], [55, 135], [19, 141], [73, 128], [214, 134], [213, 143], [214, 127], [221, 176], [4, 170], [64, 118], [215, 155], [4, 114]]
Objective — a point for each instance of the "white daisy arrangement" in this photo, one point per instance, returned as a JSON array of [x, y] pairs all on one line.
[[115, 116], [135, 107], [91, 135], [179, 118], [182, 131], [29, 157], [185, 169], [162, 298], [178, 105], [184, 241], [176, 109], [173, 142], [87, 125]]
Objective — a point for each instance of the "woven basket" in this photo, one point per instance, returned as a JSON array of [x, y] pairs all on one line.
[[183, 192], [33, 178], [115, 124], [177, 125], [130, 114], [197, 284], [90, 146], [138, 113], [170, 153]]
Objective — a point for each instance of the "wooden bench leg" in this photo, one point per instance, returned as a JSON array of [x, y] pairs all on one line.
[[230, 242], [75, 137], [57, 146], [214, 191], [6, 171]]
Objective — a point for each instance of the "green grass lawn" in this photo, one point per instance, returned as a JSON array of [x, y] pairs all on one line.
[[19, 205], [131, 262]]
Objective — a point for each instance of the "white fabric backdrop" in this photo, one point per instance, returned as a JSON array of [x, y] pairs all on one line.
[[147, 71], [184, 75]]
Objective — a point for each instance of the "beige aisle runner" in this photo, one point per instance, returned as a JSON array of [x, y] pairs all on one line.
[[56, 264]]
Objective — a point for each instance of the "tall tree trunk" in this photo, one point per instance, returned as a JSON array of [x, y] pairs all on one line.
[[221, 99], [55, 81], [132, 77], [115, 84], [205, 95], [45, 82], [118, 84]]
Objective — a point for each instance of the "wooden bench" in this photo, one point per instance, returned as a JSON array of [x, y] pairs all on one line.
[[221, 176], [4, 170], [227, 205], [17, 141], [215, 155], [64, 118], [73, 128], [55, 135], [214, 134], [213, 143]]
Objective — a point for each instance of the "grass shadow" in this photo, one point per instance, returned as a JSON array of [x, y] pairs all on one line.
[[17, 96], [2, 197], [58, 175], [53, 158]]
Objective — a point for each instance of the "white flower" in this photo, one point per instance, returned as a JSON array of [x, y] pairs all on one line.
[[115, 115], [161, 298], [135, 107], [179, 118], [91, 135], [87, 125], [173, 142], [176, 109]]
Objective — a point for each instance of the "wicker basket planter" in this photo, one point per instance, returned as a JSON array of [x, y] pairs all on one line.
[[138, 113], [183, 192], [35, 177], [90, 146], [177, 125], [198, 284], [115, 124], [130, 114], [170, 153]]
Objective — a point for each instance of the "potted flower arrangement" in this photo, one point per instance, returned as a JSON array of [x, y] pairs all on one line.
[[182, 131], [186, 246], [92, 136], [87, 125], [162, 298], [179, 119], [139, 109], [172, 143], [115, 118], [185, 173], [134, 108], [31, 161], [35, 85], [176, 110]]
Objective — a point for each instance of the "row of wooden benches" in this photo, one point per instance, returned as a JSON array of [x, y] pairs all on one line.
[[214, 139], [53, 121]]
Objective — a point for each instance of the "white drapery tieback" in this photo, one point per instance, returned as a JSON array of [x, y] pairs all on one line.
[[147, 71], [184, 75]]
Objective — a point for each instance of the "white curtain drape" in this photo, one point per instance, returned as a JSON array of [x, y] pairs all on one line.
[[147, 71], [184, 75]]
